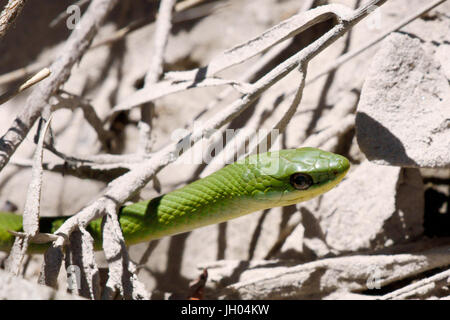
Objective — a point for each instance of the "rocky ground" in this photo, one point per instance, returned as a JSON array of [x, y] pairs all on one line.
[[383, 233]]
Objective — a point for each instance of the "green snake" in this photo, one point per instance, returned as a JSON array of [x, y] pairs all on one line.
[[258, 182]]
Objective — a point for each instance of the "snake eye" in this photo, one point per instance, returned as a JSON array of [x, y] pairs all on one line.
[[301, 181]]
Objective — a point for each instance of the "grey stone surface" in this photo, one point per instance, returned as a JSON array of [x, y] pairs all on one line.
[[403, 116], [375, 206], [106, 75], [16, 288], [318, 279]]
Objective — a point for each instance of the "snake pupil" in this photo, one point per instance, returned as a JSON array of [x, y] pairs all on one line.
[[301, 181]]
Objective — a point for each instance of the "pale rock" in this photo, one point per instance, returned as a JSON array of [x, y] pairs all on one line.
[[403, 116], [391, 212], [319, 279], [16, 288]]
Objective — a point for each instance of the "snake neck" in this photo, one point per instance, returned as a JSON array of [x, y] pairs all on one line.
[[226, 194]]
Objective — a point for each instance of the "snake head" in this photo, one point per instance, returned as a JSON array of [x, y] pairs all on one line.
[[298, 175]]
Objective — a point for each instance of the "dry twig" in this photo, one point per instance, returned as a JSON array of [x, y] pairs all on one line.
[[346, 57], [72, 52], [163, 27], [124, 187], [420, 289], [31, 212], [41, 75], [9, 14], [122, 277]]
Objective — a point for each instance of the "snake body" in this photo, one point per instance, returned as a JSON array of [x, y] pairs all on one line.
[[257, 182]]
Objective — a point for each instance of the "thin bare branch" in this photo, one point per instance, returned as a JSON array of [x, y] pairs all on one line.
[[81, 266], [9, 14], [266, 143], [420, 289], [13, 263], [166, 87], [197, 77], [72, 52], [82, 170], [186, 4], [32, 203], [126, 186], [41, 75], [161, 37], [346, 57], [162, 32], [257, 119], [32, 210], [122, 271], [183, 14], [22, 72], [284, 30]]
